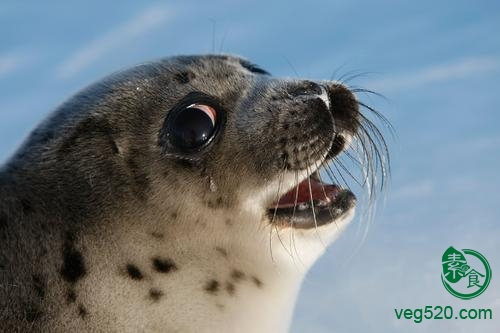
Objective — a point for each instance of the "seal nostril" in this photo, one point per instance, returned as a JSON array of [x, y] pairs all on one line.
[[305, 88]]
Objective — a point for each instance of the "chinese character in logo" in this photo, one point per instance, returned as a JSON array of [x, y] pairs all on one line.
[[454, 265], [474, 278]]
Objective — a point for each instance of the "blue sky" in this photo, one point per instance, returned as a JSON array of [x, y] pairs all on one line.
[[438, 64]]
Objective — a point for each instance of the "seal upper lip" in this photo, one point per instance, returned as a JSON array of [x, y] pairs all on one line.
[[310, 204]]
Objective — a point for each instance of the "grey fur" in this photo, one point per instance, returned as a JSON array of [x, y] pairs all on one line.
[[98, 166]]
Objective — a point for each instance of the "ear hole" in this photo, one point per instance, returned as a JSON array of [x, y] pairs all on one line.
[[184, 77]]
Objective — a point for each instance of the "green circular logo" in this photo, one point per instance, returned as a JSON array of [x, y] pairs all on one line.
[[466, 274]]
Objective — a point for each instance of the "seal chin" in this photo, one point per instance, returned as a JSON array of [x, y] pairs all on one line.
[[311, 204]]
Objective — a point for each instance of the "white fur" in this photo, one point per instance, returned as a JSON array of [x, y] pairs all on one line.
[[278, 257]]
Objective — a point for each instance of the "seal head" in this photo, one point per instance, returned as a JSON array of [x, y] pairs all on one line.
[[183, 194]]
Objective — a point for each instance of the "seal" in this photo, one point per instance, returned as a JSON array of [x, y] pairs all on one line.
[[181, 195]]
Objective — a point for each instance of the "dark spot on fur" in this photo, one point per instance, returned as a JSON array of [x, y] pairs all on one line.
[[90, 128], [134, 272], [45, 226], [3, 220], [174, 215], [141, 179], [73, 267], [32, 313], [252, 67], [188, 164], [230, 288], [114, 146], [164, 265], [82, 311], [204, 173], [71, 296], [237, 275], [212, 286], [39, 284], [155, 294], [222, 251], [184, 77], [214, 204], [220, 306], [157, 235], [27, 207], [229, 222], [257, 281]]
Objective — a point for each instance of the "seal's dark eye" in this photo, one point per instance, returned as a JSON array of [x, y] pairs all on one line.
[[193, 126]]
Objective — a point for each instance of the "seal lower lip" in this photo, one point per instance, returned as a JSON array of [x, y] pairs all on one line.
[[311, 204]]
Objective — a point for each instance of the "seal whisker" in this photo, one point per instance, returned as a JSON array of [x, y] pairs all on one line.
[[335, 71], [312, 205], [288, 250], [292, 233], [352, 158], [350, 75], [374, 158], [326, 165], [370, 157], [323, 189], [371, 161], [365, 153], [355, 89], [291, 65], [379, 115], [369, 152], [223, 40], [281, 241], [272, 224], [378, 138], [338, 163], [330, 173]]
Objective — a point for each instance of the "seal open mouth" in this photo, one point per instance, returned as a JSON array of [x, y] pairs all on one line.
[[311, 204]]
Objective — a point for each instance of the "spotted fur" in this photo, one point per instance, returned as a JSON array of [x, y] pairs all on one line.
[[106, 227]]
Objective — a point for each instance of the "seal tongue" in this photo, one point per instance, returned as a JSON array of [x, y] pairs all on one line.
[[320, 192]]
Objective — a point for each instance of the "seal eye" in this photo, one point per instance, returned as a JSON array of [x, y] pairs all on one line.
[[193, 126]]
